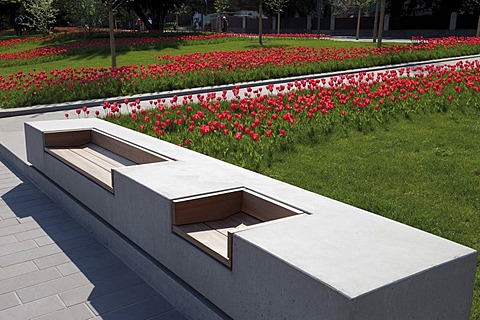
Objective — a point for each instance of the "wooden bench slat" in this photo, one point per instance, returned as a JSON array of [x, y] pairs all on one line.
[[206, 238], [86, 167], [134, 153], [115, 159], [219, 206], [265, 209], [236, 222], [214, 237], [93, 158]]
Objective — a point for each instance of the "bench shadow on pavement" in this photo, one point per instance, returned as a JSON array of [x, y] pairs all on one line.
[[87, 277]]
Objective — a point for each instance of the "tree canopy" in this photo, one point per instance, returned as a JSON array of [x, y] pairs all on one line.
[[153, 12]]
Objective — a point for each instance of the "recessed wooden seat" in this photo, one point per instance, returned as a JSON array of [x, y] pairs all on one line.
[[93, 161], [209, 221], [95, 154], [212, 236]]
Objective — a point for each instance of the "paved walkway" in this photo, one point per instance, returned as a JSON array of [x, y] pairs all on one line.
[[52, 268]]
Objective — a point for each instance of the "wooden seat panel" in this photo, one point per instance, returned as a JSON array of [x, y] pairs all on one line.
[[213, 236], [85, 166], [236, 222], [113, 158]]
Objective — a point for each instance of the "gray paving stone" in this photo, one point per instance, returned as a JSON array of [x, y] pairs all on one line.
[[43, 214], [17, 247], [62, 257], [52, 260], [47, 231], [121, 298], [11, 201], [20, 206], [8, 169], [33, 309], [81, 252], [103, 287], [107, 271], [52, 228], [7, 180], [18, 228], [77, 312], [68, 268], [83, 241], [6, 174], [11, 181], [47, 221], [21, 193], [6, 212], [87, 263], [7, 240], [27, 255], [8, 300], [21, 187], [28, 279], [43, 241], [61, 236], [48, 288], [170, 315], [142, 310], [70, 244], [7, 215], [17, 269], [8, 222], [31, 234]]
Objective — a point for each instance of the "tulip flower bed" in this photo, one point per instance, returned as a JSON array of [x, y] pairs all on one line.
[[213, 68], [125, 40], [251, 128], [15, 41]]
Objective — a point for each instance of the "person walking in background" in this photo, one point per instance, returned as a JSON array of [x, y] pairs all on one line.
[[138, 25], [195, 25], [17, 25], [224, 24]]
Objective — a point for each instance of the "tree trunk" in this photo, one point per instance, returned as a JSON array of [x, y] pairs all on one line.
[[260, 23], [358, 22], [158, 16], [113, 51], [380, 24], [478, 27], [278, 22], [375, 23], [319, 13]]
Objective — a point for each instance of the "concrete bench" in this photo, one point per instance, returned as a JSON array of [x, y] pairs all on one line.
[[255, 247], [209, 221], [95, 154]]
